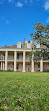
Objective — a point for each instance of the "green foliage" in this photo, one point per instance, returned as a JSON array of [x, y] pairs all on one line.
[[24, 91], [41, 36], [41, 33]]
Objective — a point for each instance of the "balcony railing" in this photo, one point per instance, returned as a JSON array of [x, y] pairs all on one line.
[[20, 59], [46, 60], [27, 59], [10, 58], [2, 58]]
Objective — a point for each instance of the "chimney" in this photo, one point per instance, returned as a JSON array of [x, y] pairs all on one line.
[[33, 41], [24, 41]]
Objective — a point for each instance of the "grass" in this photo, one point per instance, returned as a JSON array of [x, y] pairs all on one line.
[[24, 91]]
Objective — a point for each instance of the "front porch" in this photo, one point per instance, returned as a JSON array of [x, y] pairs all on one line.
[[28, 66]]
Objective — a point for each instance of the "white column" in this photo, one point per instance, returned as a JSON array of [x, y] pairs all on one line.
[[15, 57], [32, 64], [1, 65], [23, 61], [41, 65], [6, 56]]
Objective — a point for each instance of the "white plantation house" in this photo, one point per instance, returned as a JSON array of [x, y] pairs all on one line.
[[16, 58]]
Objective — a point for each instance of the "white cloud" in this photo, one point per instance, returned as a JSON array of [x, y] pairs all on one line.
[[4, 20], [3, 1], [0, 3], [10, 1], [47, 20], [25, 1], [19, 4], [46, 5], [31, 1]]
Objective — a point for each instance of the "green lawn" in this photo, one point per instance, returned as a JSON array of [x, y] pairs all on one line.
[[24, 91]]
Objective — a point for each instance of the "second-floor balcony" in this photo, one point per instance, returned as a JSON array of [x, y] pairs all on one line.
[[10, 58], [27, 60], [2, 58], [20, 60]]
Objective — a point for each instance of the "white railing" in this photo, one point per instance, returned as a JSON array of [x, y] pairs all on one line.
[[20, 59], [2, 58], [10, 58], [46, 60], [27, 59]]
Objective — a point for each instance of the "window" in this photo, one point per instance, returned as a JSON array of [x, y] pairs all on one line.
[[38, 66], [17, 66], [17, 56]]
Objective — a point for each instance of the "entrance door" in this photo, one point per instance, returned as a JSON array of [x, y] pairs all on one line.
[[28, 68]]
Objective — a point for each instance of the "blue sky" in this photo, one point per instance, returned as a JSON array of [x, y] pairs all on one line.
[[17, 18]]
